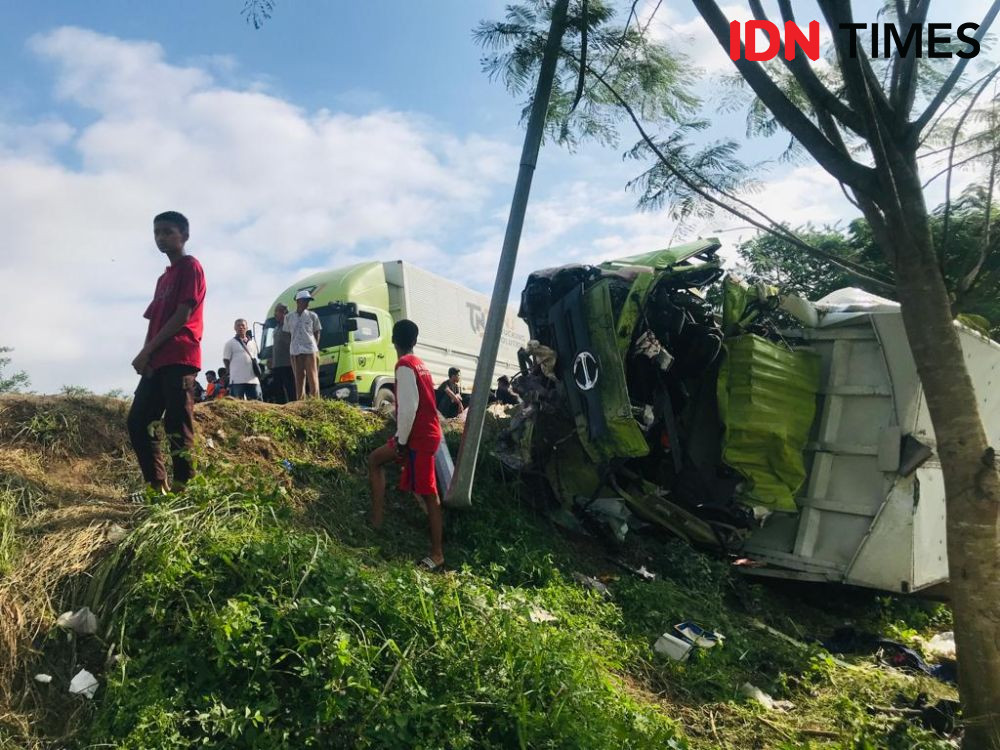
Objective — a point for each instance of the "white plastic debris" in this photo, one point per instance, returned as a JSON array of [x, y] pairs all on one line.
[[698, 635], [671, 646], [83, 621], [755, 693], [942, 645], [43, 678], [116, 533], [83, 683], [537, 614]]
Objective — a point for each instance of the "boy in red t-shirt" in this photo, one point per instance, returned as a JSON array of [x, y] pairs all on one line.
[[170, 359], [418, 435]]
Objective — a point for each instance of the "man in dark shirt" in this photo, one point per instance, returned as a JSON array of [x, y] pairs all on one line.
[[170, 359], [449, 395], [280, 363]]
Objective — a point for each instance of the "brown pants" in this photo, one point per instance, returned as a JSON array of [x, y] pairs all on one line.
[[167, 394], [306, 369]]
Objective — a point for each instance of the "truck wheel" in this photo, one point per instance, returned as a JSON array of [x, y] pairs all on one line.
[[384, 402]]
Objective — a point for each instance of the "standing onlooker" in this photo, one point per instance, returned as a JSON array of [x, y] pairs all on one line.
[[304, 326], [280, 363], [170, 359], [449, 395], [418, 435], [240, 356]]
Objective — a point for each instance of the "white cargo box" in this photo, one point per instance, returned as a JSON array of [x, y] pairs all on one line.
[[452, 321], [866, 517]]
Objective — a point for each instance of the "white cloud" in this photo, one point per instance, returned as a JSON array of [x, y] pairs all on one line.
[[271, 190]]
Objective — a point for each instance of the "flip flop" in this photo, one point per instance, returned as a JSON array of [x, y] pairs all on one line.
[[430, 566]]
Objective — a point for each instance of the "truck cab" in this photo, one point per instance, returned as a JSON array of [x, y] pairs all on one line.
[[358, 305], [356, 355]]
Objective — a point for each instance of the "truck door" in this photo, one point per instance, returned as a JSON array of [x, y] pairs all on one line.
[[369, 347]]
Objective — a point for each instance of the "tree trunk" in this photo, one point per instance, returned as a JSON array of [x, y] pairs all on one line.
[[972, 482]]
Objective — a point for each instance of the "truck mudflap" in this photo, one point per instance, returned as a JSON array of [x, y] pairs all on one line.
[[633, 388]]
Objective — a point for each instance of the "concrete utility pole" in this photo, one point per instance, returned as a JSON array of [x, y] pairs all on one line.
[[460, 492]]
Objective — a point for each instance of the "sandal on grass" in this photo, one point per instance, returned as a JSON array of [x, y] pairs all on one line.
[[430, 566]]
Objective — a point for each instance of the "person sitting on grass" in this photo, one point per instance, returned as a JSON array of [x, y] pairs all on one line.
[[418, 435]]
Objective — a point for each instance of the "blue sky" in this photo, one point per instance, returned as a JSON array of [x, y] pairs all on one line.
[[339, 131]]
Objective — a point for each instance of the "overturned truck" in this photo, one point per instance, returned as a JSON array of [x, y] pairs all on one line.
[[792, 433]]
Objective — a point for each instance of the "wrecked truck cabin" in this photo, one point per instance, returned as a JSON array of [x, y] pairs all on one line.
[[791, 432]]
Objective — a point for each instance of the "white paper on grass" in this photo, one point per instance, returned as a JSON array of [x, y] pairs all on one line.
[[83, 683]]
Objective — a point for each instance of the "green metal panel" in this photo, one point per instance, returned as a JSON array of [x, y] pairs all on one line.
[[663, 259], [767, 402], [624, 438]]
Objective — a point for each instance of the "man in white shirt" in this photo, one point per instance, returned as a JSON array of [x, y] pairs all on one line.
[[305, 328], [240, 356]]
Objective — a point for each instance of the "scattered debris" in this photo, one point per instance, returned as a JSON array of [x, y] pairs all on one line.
[[257, 439], [220, 433], [793, 642], [940, 716], [537, 614], [698, 635], [82, 622], [287, 465], [848, 640], [43, 678], [941, 645], [116, 533], [83, 683], [593, 584], [753, 692], [639, 572], [209, 443], [612, 511], [671, 646]]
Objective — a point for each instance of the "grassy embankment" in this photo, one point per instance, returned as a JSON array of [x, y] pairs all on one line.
[[258, 609]]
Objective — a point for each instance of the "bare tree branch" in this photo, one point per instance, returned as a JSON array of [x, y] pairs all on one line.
[[955, 101], [956, 73], [966, 160], [621, 42], [583, 55], [829, 156], [967, 281], [819, 95], [904, 89], [951, 160]]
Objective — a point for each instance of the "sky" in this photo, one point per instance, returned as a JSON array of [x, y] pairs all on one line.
[[338, 132]]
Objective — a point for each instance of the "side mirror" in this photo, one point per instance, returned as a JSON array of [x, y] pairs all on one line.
[[352, 324]]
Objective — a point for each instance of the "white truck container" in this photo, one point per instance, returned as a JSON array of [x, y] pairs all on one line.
[[452, 319], [872, 512]]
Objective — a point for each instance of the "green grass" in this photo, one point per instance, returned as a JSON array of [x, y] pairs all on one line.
[[259, 610], [273, 636]]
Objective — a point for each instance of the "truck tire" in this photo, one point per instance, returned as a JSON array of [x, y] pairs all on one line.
[[384, 402]]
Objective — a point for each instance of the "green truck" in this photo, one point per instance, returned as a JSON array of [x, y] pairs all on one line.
[[358, 305]]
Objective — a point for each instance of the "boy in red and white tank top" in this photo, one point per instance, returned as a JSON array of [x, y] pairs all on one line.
[[418, 435]]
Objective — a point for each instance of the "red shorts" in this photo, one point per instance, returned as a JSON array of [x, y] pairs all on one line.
[[418, 472]]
